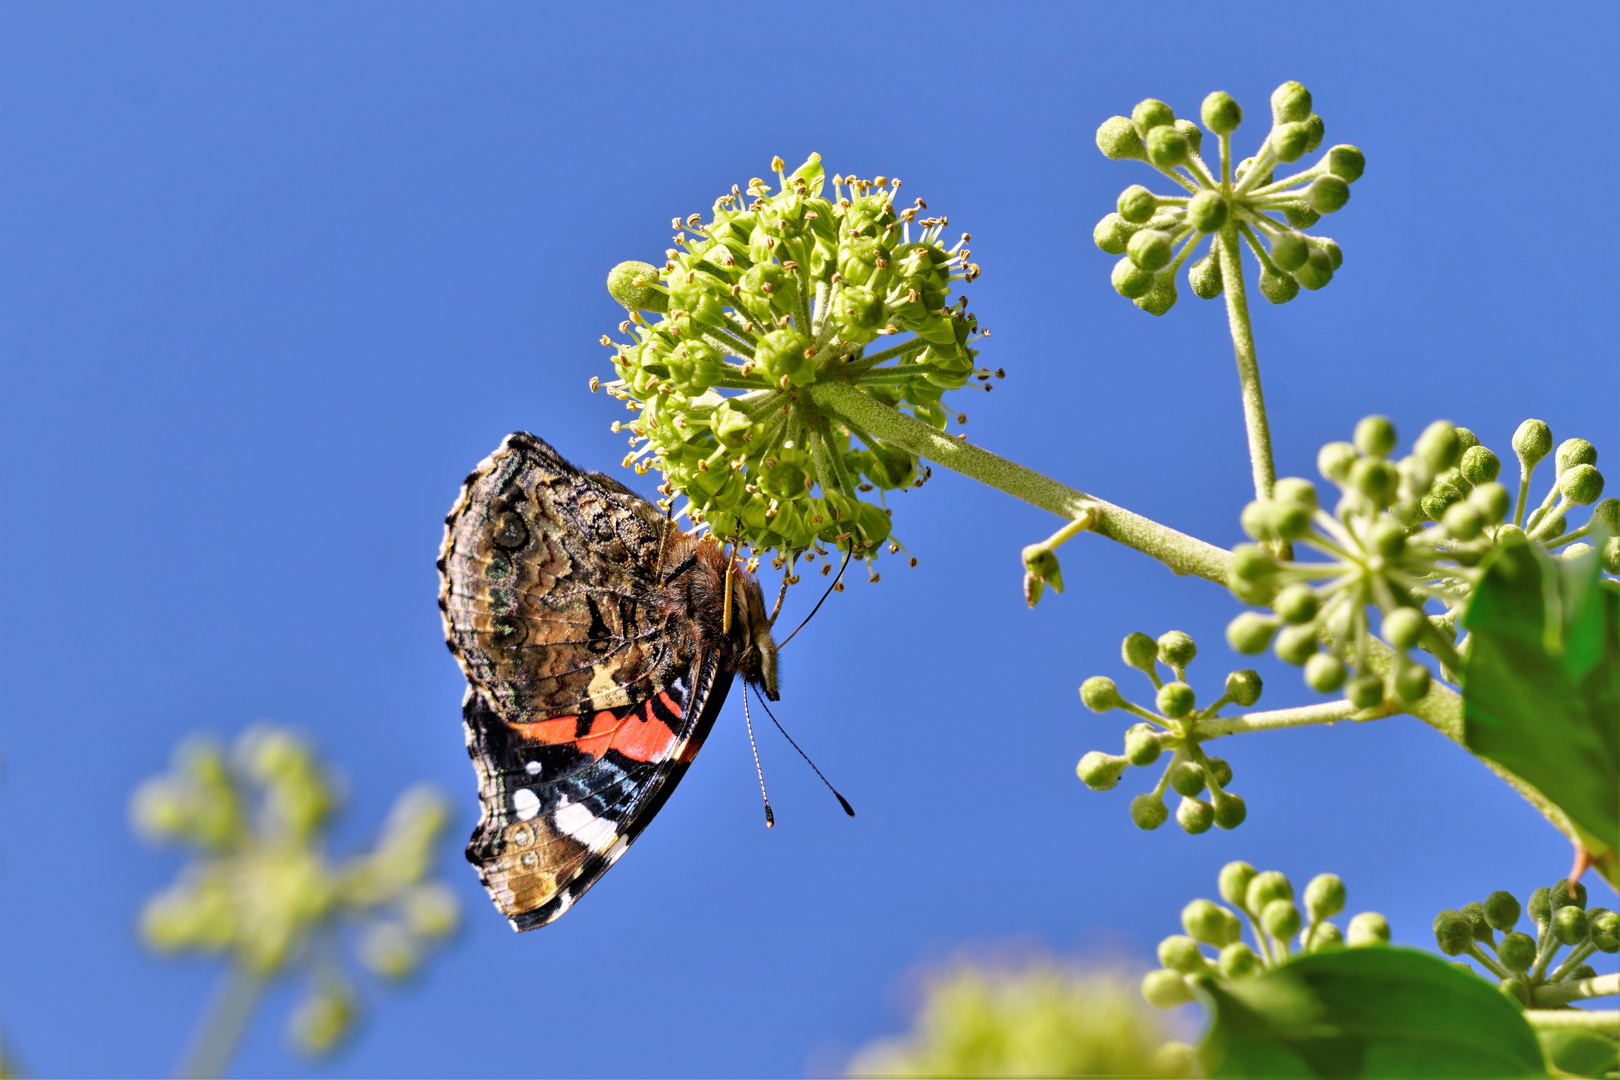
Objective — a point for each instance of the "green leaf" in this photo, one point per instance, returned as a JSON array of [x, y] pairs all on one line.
[[1541, 685], [1367, 1012], [1580, 1053]]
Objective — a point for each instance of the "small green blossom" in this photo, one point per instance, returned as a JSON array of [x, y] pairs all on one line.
[[260, 888], [1231, 205], [1404, 534], [1528, 967], [770, 295]]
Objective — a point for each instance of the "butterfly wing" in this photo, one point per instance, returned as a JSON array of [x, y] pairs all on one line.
[[589, 695]]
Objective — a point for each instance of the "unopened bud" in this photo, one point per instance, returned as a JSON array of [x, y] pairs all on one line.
[[1187, 778], [1572, 452], [1324, 897], [1100, 694], [1581, 484], [1243, 687], [1334, 461], [1148, 812], [1280, 918], [1239, 961], [1452, 932], [1119, 140], [1142, 744], [1206, 921], [1532, 442], [1165, 989], [1517, 951], [1235, 878], [1403, 627], [1221, 113], [1100, 771], [1569, 925], [1367, 928], [1479, 465], [1501, 910], [1439, 445], [1195, 816], [1325, 673]]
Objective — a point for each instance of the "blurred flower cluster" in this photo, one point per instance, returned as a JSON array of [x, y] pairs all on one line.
[[1039, 1021], [1156, 234], [1175, 727], [1404, 533], [1523, 963], [260, 889], [1266, 900], [775, 292]]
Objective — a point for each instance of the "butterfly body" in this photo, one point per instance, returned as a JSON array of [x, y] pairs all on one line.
[[598, 649]]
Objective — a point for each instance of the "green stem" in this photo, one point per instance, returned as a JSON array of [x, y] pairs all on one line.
[[215, 1041], [1254, 404], [1598, 1021], [1553, 994], [1329, 712]]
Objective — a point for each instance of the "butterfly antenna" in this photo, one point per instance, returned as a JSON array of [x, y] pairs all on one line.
[[823, 600], [848, 809], [770, 818]]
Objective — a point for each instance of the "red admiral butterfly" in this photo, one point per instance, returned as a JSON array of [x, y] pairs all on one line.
[[598, 648]]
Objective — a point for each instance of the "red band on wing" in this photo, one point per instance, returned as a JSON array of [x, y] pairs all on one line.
[[640, 736]]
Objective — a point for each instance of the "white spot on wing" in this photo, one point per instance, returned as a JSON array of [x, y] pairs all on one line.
[[595, 833], [525, 803], [532, 768]]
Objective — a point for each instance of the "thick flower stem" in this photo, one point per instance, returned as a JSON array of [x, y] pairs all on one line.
[[1254, 403], [215, 1042], [1564, 992], [1599, 1021]]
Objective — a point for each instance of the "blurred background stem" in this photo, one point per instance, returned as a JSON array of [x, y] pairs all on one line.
[[215, 1041]]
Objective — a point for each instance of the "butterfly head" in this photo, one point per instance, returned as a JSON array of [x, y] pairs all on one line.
[[751, 641]]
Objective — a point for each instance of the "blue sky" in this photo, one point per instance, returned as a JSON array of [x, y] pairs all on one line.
[[274, 277]]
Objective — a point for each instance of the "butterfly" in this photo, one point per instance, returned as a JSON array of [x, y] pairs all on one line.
[[599, 641]]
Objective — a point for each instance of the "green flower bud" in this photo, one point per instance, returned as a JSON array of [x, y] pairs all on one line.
[[1386, 537], [1176, 649], [1150, 249], [1206, 921], [1289, 141], [1164, 989], [1195, 816], [1335, 460], [1280, 918], [1501, 910], [1194, 135], [1137, 204], [1290, 250], [1580, 972], [1119, 140], [1295, 644], [1412, 682], [1364, 691], [1220, 771], [1608, 513], [1235, 878], [1230, 810], [1168, 146], [1251, 564], [1315, 125], [1207, 211], [1264, 887], [1100, 771], [1250, 632], [1517, 990], [1475, 914], [1572, 452], [1297, 603], [1111, 234], [1606, 929], [1452, 932], [1151, 113], [1324, 897], [1295, 489], [1403, 627], [1328, 194], [1377, 479], [782, 354], [1100, 694], [1321, 938], [1161, 298], [1479, 465], [1317, 271], [1464, 520], [1220, 113], [1325, 673], [1611, 555], [1130, 280], [1300, 215], [1346, 162], [1142, 744], [1204, 276], [1561, 895], [634, 286], [1492, 501], [1532, 442], [1517, 951], [1581, 484], [1289, 520], [1176, 700], [1439, 445], [1541, 908], [1187, 778], [1368, 928], [1148, 812], [1239, 961], [1278, 288], [1290, 102], [1569, 925], [1140, 652], [1375, 436], [1243, 687]]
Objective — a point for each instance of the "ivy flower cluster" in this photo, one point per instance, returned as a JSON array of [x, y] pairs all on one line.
[[1175, 726], [1404, 533], [1232, 205], [775, 292], [1525, 964], [260, 889], [1266, 901]]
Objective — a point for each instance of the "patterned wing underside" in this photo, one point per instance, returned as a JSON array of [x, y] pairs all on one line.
[[548, 587], [557, 814]]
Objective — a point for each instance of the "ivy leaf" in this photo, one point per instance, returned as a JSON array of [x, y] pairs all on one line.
[[1367, 1012], [1580, 1053], [1541, 685]]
